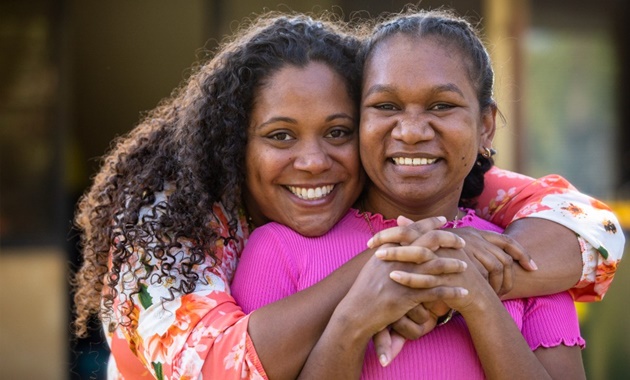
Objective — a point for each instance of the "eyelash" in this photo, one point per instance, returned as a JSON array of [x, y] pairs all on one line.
[[386, 107], [344, 133], [286, 136], [442, 106], [275, 136], [436, 107]]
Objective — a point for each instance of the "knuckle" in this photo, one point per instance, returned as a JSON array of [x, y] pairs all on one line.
[[496, 268]]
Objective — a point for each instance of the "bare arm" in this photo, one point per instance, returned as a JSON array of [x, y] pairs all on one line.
[[557, 271], [290, 327]]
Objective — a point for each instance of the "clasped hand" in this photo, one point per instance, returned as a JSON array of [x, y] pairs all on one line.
[[434, 254]]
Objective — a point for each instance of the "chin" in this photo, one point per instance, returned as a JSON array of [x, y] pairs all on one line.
[[314, 228]]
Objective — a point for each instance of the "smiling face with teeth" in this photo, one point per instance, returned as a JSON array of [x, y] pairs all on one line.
[[421, 126], [302, 155]]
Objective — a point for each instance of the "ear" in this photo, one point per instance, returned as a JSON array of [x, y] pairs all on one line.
[[488, 126]]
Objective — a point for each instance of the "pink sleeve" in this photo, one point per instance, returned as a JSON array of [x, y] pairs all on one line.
[[267, 272], [510, 196], [550, 321]]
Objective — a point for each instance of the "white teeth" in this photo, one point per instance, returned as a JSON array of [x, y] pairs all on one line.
[[413, 161], [311, 193]]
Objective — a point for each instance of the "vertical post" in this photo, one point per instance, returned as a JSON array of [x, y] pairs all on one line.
[[505, 25]]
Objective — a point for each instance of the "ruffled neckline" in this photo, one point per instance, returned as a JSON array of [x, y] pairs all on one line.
[[379, 219]]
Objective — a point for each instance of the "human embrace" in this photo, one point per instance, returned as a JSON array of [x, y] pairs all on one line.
[[371, 156]]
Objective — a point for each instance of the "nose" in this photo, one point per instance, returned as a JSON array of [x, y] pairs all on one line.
[[413, 128], [313, 158]]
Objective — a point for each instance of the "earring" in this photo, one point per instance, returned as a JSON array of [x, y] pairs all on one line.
[[488, 152]]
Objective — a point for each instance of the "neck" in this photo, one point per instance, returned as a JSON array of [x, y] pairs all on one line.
[[390, 209]]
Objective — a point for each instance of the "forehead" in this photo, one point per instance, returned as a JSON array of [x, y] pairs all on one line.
[[292, 78], [405, 58], [314, 90]]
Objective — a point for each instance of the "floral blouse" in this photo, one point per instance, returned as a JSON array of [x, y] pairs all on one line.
[[203, 335]]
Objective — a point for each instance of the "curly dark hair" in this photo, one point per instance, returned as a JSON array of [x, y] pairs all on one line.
[[191, 148], [456, 31]]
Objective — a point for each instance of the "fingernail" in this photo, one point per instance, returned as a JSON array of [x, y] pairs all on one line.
[[383, 360], [380, 253], [369, 243], [464, 291], [533, 264], [442, 219], [464, 264], [395, 276]]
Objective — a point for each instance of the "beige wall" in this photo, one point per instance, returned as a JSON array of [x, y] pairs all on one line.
[[33, 309]]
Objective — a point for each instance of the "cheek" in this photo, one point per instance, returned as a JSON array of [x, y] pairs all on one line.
[[255, 168]]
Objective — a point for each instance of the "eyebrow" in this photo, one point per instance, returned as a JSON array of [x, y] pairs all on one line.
[[290, 120], [449, 87]]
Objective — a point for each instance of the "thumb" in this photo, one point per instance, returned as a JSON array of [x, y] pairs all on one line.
[[383, 346]]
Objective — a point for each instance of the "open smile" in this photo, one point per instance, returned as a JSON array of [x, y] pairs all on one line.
[[311, 193], [407, 161]]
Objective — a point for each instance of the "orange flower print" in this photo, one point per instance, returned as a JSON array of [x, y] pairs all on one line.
[[235, 357], [599, 205], [574, 210], [609, 226]]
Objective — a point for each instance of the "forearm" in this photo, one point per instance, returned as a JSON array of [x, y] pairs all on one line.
[[500, 345], [338, 354], [556, 252], [290, 327], [509, 196]]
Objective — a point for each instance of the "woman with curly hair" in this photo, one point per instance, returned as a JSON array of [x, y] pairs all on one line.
[[167, 217]]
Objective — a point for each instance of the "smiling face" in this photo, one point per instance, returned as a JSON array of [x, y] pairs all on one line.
[[421, 127], [302, 158]]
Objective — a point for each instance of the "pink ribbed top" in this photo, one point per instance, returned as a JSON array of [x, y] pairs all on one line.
[[278, 262]]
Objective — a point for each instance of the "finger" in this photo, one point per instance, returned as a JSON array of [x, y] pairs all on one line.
[[508, 280], [512, 248], [442, 265], [494, 267], [411, 330], [436, 239], [429, 287], [420, 314], [437, 309], [406, 254], [406, 234], [383, 346], [403, 221], [398, 342]]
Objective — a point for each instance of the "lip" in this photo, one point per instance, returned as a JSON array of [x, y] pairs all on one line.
[[413, 164]]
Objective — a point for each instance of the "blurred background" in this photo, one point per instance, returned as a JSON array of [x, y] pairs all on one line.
[[74, 74]]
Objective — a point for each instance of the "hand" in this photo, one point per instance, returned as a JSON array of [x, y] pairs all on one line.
[[418, 322], [387, 301], [387, 345], [493, 255], [477, 290]]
